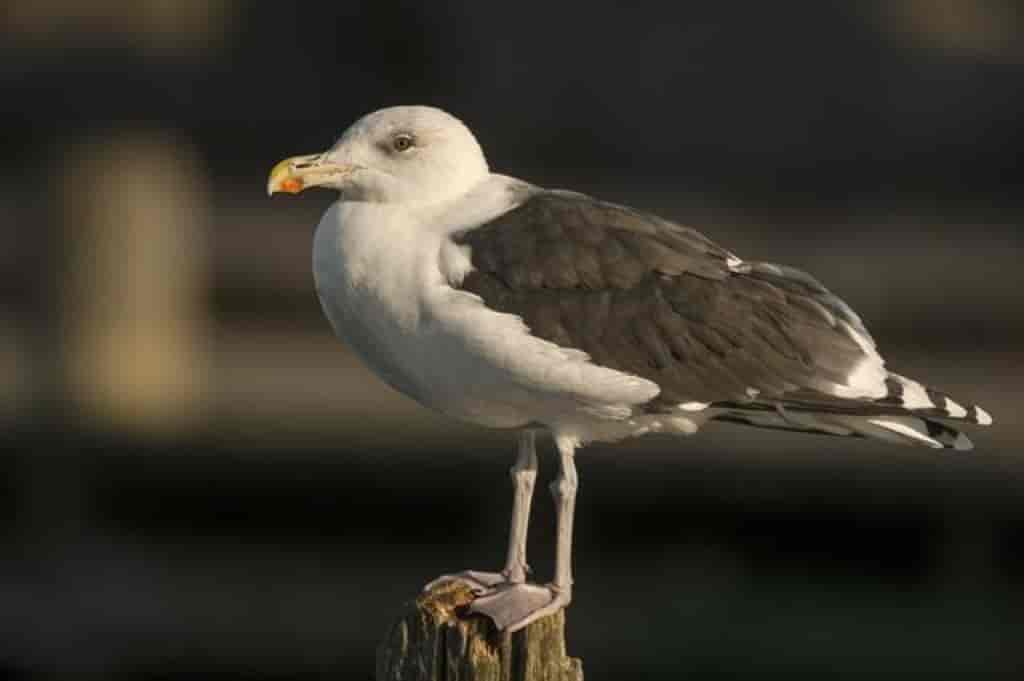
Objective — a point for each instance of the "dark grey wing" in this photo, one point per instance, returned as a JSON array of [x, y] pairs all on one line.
[[646, 296]]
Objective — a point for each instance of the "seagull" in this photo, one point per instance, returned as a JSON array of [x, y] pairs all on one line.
[[504, 304]]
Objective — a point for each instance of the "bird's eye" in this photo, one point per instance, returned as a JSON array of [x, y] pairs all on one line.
[[402, 142]]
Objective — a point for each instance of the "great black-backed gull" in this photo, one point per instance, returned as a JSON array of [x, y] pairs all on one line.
[[504, 304]]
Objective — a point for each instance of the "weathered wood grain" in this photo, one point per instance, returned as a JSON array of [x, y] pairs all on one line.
[[434, 639]]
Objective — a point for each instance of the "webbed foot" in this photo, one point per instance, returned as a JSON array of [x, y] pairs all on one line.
[[514, 606]]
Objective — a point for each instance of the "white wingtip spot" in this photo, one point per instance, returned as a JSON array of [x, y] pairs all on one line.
[[733, 263], [694, 406], [954, 409], [914, 395], [984, 418], [752, 393]]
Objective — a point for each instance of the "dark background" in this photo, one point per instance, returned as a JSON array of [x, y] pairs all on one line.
[[198, 482]]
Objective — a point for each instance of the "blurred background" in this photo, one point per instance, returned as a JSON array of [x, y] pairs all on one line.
[[199, 482]]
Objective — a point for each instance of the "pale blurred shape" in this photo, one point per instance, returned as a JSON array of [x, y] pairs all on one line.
[[185, 27], [983, 28], [136, 219]]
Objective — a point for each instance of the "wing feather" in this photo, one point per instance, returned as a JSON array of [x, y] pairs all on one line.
[[646, 296]]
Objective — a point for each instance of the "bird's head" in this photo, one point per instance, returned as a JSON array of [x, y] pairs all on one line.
[[404, 154]]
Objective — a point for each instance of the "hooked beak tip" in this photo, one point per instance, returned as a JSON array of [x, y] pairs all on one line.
[[295, 174], [289, 185], [284, 178]]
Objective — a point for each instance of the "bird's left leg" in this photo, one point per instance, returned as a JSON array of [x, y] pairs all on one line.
[[524, 475], [514, 606]]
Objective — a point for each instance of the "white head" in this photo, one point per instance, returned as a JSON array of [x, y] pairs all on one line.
[[404, 154]]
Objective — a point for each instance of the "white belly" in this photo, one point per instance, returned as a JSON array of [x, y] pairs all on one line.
[[384, 285]]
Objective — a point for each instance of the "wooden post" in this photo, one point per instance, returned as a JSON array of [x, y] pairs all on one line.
[[435, 640]]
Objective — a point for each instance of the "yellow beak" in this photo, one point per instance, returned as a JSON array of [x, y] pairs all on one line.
[[294, 174]]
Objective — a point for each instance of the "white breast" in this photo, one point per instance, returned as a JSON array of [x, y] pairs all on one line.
[[384, 280], [364, 265]]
